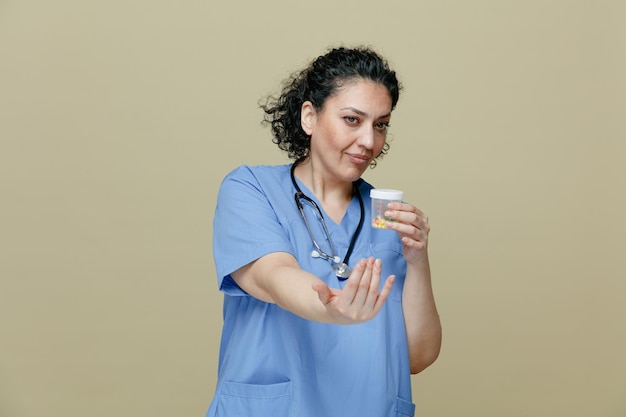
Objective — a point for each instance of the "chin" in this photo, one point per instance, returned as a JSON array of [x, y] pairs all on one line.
[[354, 173]]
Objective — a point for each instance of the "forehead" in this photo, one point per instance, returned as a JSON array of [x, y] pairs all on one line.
[[365, 95]]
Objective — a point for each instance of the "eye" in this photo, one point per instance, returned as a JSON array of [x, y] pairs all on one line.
[[382, 126], [351, 120]]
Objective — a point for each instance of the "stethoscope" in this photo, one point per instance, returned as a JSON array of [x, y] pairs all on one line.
[[341, 268]]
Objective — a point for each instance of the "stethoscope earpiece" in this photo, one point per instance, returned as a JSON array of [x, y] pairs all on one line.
[[316, 254]]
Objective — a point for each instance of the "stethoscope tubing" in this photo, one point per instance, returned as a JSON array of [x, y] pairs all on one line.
[[342, 270], [297, 196]]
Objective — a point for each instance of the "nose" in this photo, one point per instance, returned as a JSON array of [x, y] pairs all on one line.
[[366, 137]]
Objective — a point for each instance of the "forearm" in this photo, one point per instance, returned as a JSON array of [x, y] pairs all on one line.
[[423, 327], [292, 289], [277, 278]]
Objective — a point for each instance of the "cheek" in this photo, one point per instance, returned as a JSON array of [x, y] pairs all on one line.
[[330, 138]]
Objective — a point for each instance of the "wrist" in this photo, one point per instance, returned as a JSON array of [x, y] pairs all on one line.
[[419, 264]]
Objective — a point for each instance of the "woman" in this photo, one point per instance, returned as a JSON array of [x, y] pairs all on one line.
[[323, 316]]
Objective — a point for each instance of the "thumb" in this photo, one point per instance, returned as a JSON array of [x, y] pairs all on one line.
[[322, 290]]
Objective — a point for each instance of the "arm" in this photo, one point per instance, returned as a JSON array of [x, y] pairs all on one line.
[[421, 319], [277, 278], [270, 272]]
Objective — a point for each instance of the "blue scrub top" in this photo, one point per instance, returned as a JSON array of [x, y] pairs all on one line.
[[276, 364]]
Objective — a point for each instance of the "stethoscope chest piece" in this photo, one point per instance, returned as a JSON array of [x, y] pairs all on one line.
[[342, 270]]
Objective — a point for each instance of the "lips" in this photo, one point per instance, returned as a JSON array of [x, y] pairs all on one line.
[[359, 159]]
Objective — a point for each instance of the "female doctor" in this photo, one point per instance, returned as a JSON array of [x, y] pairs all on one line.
[[323, 314]]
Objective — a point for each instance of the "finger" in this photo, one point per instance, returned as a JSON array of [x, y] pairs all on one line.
[[411, 225], [414, 244], [352, 284], [400, 218], [425, 226], [363, 290], [373, 289], [384, 294], [323, 291], [403, 207], [405, 213]]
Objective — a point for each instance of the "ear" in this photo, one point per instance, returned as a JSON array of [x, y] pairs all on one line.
[[307, 117]]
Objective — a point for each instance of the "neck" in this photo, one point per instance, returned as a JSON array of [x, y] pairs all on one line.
[[326, 188], [334, 196]]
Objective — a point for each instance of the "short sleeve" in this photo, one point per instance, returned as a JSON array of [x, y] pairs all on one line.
[[245, 226]]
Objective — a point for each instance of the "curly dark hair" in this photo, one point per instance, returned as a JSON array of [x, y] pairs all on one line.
[[316, 83]]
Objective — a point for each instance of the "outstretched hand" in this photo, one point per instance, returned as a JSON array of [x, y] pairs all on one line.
[[360, 299]]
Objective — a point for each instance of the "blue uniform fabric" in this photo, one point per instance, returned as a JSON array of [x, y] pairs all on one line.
[[273, 363]]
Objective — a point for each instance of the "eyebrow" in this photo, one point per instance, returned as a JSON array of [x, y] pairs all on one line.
[[362, 113]]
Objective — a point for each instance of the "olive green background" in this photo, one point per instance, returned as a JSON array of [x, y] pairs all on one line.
[[118, 120]]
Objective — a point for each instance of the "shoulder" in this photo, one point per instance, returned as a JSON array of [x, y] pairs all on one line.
[[257, 173], [258, 182]]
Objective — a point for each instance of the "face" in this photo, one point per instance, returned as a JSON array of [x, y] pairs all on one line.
[[350, 129]]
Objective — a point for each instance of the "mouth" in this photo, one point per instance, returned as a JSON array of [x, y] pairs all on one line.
[[359, 158]]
